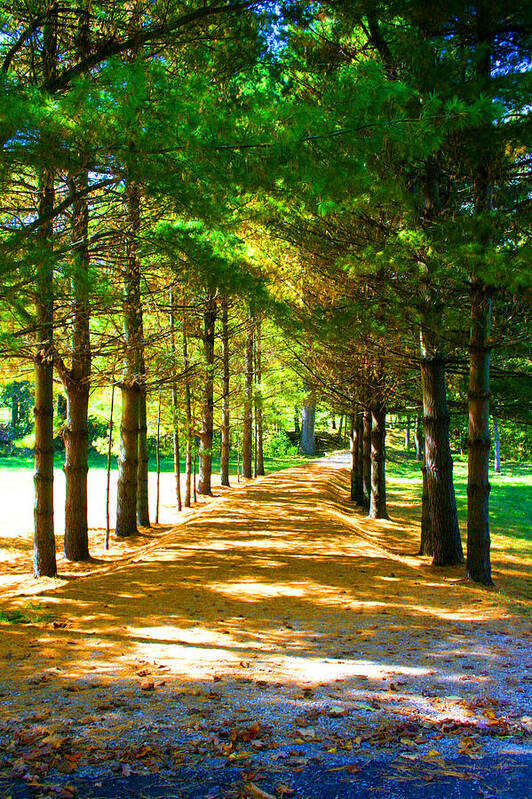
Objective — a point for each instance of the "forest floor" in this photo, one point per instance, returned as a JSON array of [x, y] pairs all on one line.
[[275, 643]]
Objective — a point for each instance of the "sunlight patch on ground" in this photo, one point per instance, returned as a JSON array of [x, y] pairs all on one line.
[[249, 590], [308, 669]]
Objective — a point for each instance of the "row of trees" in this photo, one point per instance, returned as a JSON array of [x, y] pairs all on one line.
[[354, 174]]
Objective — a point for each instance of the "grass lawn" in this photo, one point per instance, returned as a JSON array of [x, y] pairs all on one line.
[[167, 464]]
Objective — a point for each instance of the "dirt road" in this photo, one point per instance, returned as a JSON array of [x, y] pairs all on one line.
[[275, 642]]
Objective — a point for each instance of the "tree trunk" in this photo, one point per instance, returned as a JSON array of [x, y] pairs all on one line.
[[426, 546], [76, 470], [108, 474], [307, 441], [44, 562], [340, 427], [126, 513], [407, 434], [439, 463], [259, 454], [126, 502], [478, 486], [247, 427], [418, 439], [207, 411], [143, 512], [496, 446], [194, 470], [226, 430], [377, 506], [158, 460], [359, 476], [366, 459], [76, 380], [188, 411], [175, 414], [354, 457]]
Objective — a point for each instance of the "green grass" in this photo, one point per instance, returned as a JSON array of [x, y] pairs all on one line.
[[510, 497], [30, 614], [167, 464]]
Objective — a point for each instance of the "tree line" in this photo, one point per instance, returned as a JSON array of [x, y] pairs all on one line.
[[355, 175]]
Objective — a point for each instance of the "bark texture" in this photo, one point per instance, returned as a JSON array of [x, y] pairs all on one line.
[[307, 440], [259, 453], [143, 513], [359, 477], [76, 380], [478, 485], [207, 410], [418, 439], [496, 446], [377, 505], [175, 406], [44, 561], [188, 412], [447, 545], [247, 426], [226, 429], [366, 459], [354, 457], [126, 512]]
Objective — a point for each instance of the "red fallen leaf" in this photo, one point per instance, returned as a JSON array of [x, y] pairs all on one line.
[[284, 790], [353, 769], [33, 754], [26, 738]]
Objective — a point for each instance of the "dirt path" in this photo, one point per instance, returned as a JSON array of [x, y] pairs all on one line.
[[277, 641]]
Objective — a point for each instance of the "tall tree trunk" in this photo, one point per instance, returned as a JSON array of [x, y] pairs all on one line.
[[194, 471], [354, 458], [207, 411], [496, 446], [247, 426], [175, 405], [226, 429], [359, 475], [407, 433], [426, 546], [259, 453], [143, 512], [377, 506], [126, 513], [76, 471], [108, 470], [366, 459], [418, 439], [158, 460], [439, 463], [44, 562], [478, 486], [76, 380], [188, 411], [307, 441], [438, 460]]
